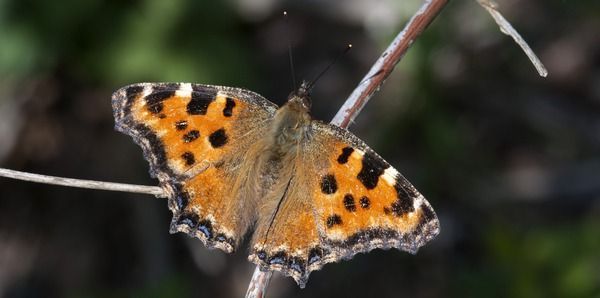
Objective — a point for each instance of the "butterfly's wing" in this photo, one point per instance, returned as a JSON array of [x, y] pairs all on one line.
[[194, 137], [287, 236], [372, 205], [350, 201]]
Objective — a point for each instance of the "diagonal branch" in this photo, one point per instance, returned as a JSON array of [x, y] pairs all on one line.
[[383, 67]]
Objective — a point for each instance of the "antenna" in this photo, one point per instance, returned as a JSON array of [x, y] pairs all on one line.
[[312, 83], [289, 44]]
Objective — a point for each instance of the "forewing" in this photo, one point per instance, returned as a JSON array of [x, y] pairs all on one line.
[[194, 137]]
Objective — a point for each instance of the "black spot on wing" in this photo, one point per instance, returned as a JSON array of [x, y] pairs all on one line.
[[401, 207], [334, 220], [346, 152], [406, 196], [365, 202], [201, 99], [229, 105], [191, 136], [404, 188], [328, 184], [159, 94], [349, 203], [181, 125], [218, 138], [189, 158], [131, 93], [428, 214], [372, 167], [154, 101]]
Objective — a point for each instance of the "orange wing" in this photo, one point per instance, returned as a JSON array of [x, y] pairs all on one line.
[[349, 201], [194, 137], [363, 203]]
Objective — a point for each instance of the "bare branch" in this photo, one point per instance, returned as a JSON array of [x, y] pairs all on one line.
[[506, 28], [386, 62], [259, 283], [91, 184]]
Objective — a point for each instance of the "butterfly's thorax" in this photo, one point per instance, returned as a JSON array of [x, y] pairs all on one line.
[[288, 128], [280, 145]]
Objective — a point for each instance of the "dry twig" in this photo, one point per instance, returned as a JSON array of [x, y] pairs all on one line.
[[257, 288], [382, 68], [506, 28], [91, 184]]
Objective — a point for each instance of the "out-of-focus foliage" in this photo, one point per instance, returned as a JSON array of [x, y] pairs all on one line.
[[509, 160]]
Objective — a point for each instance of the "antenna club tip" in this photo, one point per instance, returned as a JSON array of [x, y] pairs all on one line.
[[285, 13], [349, 45]]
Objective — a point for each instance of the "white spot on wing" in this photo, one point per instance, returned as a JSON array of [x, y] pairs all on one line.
[[221, 98], [185, 90], [357, 154], [390, 175], [417, 202], [147, 90]]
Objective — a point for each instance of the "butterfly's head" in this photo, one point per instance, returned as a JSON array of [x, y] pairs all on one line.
[[301, 96]]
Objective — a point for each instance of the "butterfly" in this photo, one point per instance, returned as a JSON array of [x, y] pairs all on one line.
[[235, 164]]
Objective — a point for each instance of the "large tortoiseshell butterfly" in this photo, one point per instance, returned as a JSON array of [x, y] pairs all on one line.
[[231, 161]]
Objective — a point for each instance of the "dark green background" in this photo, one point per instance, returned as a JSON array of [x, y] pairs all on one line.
[[510, 161]]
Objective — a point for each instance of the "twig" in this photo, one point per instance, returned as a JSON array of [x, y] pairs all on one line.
[[506, 28], [386, 62], [91, 184], [361, 95], [259, 283]]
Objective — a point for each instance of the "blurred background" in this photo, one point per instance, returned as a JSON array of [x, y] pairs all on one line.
[[509, 160]]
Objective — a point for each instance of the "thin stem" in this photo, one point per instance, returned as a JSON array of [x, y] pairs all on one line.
[[259, 283], [507, 28], [361, 95], [91, 184]]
